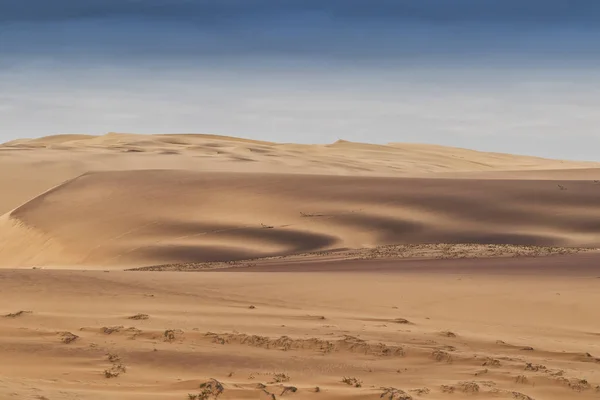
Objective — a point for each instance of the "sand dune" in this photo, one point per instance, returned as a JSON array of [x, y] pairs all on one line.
[[31, 166], [135, 218], [397, 271], [425, 333]]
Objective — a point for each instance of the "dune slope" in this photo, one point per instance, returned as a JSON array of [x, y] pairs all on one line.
[[136, 218], [30, 166]]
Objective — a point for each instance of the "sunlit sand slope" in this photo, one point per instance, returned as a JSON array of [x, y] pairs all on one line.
[[135, 218]]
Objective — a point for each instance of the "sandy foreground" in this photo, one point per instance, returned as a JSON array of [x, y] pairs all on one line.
[[198, 266]]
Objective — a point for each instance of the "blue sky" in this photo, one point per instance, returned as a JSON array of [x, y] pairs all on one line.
[[515, 76]]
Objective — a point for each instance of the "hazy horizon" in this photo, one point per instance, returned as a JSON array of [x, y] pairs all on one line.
[[489, 75]]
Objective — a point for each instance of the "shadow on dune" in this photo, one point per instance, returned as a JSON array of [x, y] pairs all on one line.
[[236, 239], [191, 253], [386, 229], [168, 216], [294, 240]]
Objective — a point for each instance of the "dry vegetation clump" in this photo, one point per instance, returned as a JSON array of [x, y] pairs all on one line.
[[578, 385], [210, 389], [441, 356], [138, 317], [448, 334], [347, 343], [170, 335], [311, 215], [468, 387], [535, 367], [420, 391], [522, 379], [111, 329], [17, 314], [280, 378], [68, 337], [111, 373], [448, 389], [354, 344], [520, 396], [289, 389], [392, 393], [217, 338], [113, 358], [352, 381], [117, 368], [457, 251], [491, 362]]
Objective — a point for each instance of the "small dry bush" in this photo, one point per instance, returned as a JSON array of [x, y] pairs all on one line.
[[522, 379], [170, 335], [392, 393], [441, 356], [535, 367], [468, 387], [352, 381], [448, 334], [111, 329], [420, 391], [115, 370], [213, 388], [491, 362], [289, 389], [17, 314], [68, 337], [117, 367], [280, 378], [520, 396], [138, 317], [448, 389]]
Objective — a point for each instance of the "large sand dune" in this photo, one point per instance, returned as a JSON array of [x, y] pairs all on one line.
[[386, 265], [135, 218], [123, 200]]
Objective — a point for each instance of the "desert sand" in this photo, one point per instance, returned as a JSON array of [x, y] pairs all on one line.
[[202, 266]]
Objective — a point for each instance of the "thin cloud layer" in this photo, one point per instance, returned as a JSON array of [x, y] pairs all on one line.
[[459, 11]]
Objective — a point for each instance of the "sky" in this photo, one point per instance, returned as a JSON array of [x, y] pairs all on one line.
[[518, 76]]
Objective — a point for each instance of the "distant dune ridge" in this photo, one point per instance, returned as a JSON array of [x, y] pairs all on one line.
[[124, 200]]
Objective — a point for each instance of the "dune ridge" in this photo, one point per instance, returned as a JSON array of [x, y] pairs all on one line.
[[121, 219], [339, 158], [30, 166]]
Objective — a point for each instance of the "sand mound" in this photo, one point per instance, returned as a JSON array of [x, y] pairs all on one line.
[[147, 217]]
